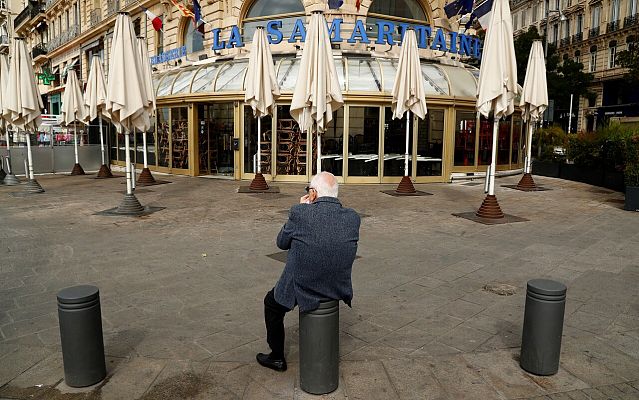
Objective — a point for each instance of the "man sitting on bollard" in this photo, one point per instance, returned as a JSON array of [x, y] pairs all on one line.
[[321, 238]]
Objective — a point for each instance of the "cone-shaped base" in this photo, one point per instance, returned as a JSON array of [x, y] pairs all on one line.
[[490, 208], [33, 187], [145, 178], [405, 186], [527, 183], [130, 206], [77, 170], [2, 175], [105, 172], [258, 183], [11, 180]]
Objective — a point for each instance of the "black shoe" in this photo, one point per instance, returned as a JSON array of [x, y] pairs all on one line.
[[265, 360]]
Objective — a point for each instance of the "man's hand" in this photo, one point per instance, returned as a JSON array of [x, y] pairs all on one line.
[[306, 199]]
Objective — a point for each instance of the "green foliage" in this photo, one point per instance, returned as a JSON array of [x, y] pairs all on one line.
[[551, 137], [630, 59], [631, 170], [584, 149]]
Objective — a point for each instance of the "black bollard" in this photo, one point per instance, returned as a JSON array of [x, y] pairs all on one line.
[[319, 348], [543, 326], [81, 335]]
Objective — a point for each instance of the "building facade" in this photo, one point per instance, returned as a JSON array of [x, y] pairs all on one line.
[[592, 33], [203, 128]]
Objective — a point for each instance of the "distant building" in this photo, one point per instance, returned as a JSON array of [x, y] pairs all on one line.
[[593, 33]]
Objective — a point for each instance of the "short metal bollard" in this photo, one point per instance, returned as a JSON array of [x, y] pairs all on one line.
[[81, 335], [543, 326], [319, 348]]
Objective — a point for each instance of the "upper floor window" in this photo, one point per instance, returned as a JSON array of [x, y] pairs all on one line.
[[632, 7], [192, 38], [577, 56], [399, 12], [596, 17], [612, 54], [614, 10], [261, 11], [535, 13], [580, 23], [593, 59]]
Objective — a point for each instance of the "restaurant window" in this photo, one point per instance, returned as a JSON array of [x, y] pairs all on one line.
[[430, 142], [518, 138], [363, 141], [216, 154], [250, 142], [332, 146], [164, 139], [485, 140], [179, 137], [465, 136], [395, 143], [192, 38], [150, 145], [503, 141], [291, 150], [286, 11]]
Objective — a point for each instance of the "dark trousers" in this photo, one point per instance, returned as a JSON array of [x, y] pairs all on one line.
[[274, 318]]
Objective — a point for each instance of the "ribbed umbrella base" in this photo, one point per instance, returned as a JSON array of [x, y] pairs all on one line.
[[130, 205], [490, 208], [258, 183], [32, 186], [77, 170], [405, 186], [2, 175], [145, 178], [11, 180], [105, 172], [527, 183]]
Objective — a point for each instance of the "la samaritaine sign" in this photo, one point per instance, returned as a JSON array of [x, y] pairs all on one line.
[[453, 42]]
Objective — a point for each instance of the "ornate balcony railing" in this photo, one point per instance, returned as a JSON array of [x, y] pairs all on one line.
[[577, 37], [613, 26], [49, 4], [564, 42], [593, 32], [65, 37], [112, 7], [631, 20], [95, 17], [39, 49], [29, 12]]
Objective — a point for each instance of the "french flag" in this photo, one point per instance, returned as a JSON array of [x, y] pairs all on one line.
[[197, 17], [481, 13], [155, 20]]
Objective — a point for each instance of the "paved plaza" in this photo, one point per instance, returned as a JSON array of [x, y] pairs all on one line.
[[182, 291]]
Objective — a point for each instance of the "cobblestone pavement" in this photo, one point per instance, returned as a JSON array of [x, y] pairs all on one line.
[[182, 291]]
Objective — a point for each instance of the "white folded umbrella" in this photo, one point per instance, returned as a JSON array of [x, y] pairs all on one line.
[[73, 107], [95, 98]]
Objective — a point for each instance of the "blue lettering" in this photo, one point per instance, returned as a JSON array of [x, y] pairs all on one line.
[[335, 30], [439, 43], [298, 30], [464, 45], [217, 45], [402, 30], [273, 30], [359, 33], [476, 48], [235, 40], [424, 33], [453, 42], [385, 31]]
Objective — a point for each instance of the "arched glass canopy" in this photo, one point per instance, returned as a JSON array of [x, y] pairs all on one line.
[[356, 75]]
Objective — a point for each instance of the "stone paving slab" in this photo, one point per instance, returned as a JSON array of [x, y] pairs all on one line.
[[182, 291]]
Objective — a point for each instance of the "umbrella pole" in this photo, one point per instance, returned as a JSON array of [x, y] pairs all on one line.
[[146, 162], [259, 183], [101, 139], [529, 147], [127, 157], [10, 179], [32, 185], [145, 178], [77, 169], [130, 204], [29, 156], [405, 185], [319, 150], [527, 182], [490, 207]]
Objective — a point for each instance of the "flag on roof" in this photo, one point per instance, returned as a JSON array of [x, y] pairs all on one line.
[[198, 22], [155, 20], [458, 7]]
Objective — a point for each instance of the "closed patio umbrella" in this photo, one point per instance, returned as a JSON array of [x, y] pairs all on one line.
[[146, 178], [534, 100], [261, 91], [73, 110], [9, 178], [127, 99], [497, 88], [22, 104], [408, 95], [317, 93], [95, 100]]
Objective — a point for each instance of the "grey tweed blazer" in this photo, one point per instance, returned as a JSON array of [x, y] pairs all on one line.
[[321, 239]]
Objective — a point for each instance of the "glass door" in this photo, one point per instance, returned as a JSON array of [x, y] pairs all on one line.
[[363, 143], [291, 147], [430, 144], [215, 139], [395, 144]]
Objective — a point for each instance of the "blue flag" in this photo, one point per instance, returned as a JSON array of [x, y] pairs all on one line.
[[335, 4], [458, 7]]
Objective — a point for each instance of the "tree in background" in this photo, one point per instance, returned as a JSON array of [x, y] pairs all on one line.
[[629, 58]]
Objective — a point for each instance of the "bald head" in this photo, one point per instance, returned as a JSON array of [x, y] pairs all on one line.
[[325, 184]]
